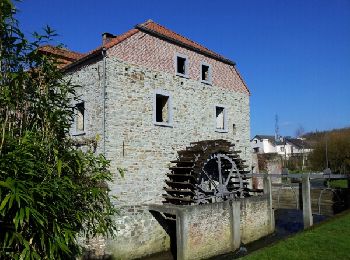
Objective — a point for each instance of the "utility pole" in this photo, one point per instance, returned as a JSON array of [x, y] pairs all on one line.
[[326, 152], [277, 129]]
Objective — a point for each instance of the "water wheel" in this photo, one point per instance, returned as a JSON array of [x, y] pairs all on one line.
[[206, 172]]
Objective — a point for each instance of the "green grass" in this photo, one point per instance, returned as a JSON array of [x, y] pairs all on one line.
[[329, 240], [338, 184]]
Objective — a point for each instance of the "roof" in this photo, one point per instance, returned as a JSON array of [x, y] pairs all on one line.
[[159, 31], [298, 143], [64, 56], [269, 137]]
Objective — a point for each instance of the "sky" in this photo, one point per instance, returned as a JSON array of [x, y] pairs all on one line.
[[294, 55]]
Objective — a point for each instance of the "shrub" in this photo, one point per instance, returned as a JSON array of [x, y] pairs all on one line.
[[50, 192]]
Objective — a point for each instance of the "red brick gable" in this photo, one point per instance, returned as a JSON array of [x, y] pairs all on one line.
[[127, 52], [160, 31]]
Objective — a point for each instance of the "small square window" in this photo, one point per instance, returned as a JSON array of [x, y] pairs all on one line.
[[79, 117], [181, 65], [162, 111], [220, 119], [205, 73]]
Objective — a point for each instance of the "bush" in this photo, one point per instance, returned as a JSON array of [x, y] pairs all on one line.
[[50, 192]]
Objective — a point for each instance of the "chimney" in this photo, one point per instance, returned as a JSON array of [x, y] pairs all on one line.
[[107, 37]]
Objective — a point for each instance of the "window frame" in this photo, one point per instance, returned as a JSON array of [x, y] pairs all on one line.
[[75, 131], [225, 129], [170, 108], [186, 75], [209, 81]]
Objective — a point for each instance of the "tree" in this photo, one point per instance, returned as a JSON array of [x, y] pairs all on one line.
[[333, 151], [50, 192]]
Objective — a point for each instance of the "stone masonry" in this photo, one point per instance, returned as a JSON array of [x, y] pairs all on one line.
[[136, 69]]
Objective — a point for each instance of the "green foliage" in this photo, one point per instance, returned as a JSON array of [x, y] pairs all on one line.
[[122, 171], [50, 192], [337, 144], [342, 184]]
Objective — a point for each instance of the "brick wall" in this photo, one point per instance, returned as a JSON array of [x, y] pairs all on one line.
[[156, 54]]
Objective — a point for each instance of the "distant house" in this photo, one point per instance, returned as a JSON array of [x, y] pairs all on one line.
[[285, 146]]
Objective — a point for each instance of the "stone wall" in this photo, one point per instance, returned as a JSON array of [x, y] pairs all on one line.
[[270, 163], [144, 150]]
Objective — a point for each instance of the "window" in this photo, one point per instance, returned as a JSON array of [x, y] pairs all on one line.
[[181, 65], [220, 119], [256, 150], [282, 149], [80, 118], [205, 73], [162, 108], [256, 141]]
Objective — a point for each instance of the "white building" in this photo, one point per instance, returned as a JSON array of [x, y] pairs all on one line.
[[283, 146]]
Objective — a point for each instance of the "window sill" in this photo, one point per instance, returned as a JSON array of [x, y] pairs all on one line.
[[78, 133], [206, 82], [182, 75], [221, 130], [163, 124]]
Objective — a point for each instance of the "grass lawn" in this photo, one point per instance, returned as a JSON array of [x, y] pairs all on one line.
[[329, 240], [338, 184]]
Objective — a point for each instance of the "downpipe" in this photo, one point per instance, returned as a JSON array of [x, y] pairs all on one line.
[[104, 102]]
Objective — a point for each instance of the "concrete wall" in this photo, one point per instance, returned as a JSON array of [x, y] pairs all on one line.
[[209, 231], [255, 222], [212, 229]]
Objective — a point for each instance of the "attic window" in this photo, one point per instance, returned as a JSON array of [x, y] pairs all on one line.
[[79, 117], [162, 110], [220, 119], [205, 73], [181, 65]]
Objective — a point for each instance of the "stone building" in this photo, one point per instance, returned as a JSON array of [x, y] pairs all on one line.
[[148, 93]]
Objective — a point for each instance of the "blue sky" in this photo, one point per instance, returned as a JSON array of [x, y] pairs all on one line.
[[294, 55]]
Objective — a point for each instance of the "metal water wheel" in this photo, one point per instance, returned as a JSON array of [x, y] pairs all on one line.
[[205, 172]]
